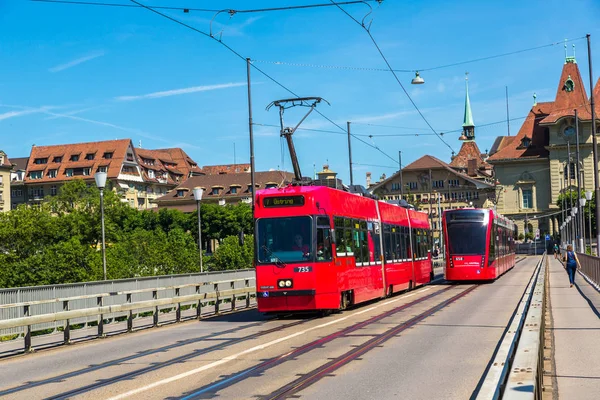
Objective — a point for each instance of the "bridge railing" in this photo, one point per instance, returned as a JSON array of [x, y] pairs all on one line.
[[590, 267], [16, 304]]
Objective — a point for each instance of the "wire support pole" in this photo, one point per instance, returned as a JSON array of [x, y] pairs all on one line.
[[580, 224], [251, 134], [595, 144], [350, 154]]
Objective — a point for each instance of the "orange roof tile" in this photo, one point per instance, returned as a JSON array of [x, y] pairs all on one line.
[[468, 151], [567, 101], [225, 169]]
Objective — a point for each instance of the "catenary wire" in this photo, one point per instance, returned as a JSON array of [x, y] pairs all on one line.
[[256, 68], [393, 73], [355, 68], [187, 9]]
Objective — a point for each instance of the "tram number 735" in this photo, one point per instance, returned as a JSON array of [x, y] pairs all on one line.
[[303, 269]]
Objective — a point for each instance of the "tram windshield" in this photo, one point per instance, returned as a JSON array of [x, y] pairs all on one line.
[[466, 238], [287, 239]]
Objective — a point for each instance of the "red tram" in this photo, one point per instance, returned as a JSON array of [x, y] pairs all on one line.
[[319, 248], [479, 244]]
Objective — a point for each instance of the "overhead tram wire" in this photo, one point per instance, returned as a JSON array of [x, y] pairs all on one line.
[[187, 9], [393, 73], [344, 133], [257, 69], [354, 68]]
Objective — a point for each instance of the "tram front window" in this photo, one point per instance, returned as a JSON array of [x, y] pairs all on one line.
[[284, 239], [466, 238]]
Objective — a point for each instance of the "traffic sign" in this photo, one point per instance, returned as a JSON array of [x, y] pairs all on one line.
[[537, 234], [547, 236]]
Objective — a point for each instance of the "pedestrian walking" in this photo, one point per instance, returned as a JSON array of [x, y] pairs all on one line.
[[555, 251], [571, 263]]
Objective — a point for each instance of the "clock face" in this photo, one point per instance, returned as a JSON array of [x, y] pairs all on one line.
[[569, 132]]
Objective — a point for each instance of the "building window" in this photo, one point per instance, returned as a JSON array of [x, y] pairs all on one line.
[[69, 172], [74, 157], [438, 184], [271, 186], [527, 198], [17, 193], [469, 195], [412, 185], [87, 171], [57, 159], [41, 161], [476, 196], [107, 155], [396, 186], [36, 174], [89, 156], [129, 157], [53, 190], [128, 170], [52, 173], [215, 191], [151, 174], [233, 190], [102, 169], [249, 188], [36, 193], [180, 193], [572, 170], [453, 182]]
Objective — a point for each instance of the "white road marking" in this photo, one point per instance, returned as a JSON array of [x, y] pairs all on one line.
[[251, 350]]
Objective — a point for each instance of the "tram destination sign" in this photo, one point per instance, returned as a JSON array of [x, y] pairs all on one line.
[[283, 201]]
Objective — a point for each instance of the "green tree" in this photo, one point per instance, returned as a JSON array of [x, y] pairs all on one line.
[[230, 255]]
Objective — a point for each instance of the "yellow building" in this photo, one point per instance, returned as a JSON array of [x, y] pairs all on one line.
[[534, 166]]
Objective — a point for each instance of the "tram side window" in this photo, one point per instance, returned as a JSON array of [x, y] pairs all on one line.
[[372, 228], [415, 251], [394, 242], [341, 246], [361, 241], [398, 242], [407, 252], [323, 239], [387, 241]]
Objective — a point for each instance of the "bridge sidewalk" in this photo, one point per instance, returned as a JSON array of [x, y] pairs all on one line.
[[576, 330]]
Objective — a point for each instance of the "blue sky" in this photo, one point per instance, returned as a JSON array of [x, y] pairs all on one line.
[[72, 73]]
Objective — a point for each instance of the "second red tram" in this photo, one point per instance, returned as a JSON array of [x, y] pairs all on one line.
[[319, 248], [479, 244]]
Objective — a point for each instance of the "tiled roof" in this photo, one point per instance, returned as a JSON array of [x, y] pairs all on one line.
[[430, 162], [225, 169], [153, 160], [500, 143], [185, 165], [20, 163], [6, 163], [566, 101], [118, 148], [531, 129], [468, 151], [241, 181]]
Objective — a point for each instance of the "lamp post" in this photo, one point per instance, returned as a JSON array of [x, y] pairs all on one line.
[[568, 231], [198, 191], [575, 226], [588, 196], [581, 221], [100, 178]]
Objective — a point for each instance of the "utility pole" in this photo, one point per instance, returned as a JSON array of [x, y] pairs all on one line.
[[580, 214], [350, 154], [400, 166], [251, 132], [595, 143], [570, 203]]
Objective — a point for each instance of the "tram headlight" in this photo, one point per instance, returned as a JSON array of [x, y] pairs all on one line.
[[285, 283], [288, 283], [281, 284]]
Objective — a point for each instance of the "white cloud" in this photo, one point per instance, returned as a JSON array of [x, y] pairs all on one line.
[[177, 92], [22, 112], [75, 62]]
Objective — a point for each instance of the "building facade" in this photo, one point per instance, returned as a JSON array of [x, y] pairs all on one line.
[[5, 168], [222, 188], [138, 175], [539, 163]]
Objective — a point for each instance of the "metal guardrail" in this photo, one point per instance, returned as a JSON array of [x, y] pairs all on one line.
[[590, 268], [47, 292], [498, 375], [215, 293]]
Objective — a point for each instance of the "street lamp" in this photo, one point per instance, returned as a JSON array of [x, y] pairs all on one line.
[[582, 202], [100, 178], [198, 191], [417, 80], [575, 233], [588, 197]]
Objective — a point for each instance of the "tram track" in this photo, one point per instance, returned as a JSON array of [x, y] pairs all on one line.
[[154, 367], [316, 374]]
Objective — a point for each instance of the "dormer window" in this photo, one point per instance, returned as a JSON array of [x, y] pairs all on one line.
[[57, 159], [215, 191], [41, 160], [74, 157], [271, 185], [107, 155], [89, 156], [525, 142], [181, 193], [151, 174]]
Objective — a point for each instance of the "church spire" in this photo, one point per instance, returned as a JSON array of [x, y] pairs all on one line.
[[468, 124]]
